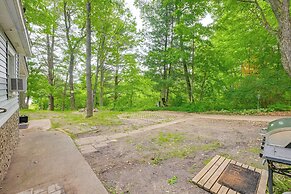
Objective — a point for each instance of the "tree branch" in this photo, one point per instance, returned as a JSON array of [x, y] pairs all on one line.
[[264, 19], [261, 15], [247, 1]]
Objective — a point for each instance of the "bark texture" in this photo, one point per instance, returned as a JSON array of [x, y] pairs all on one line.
[[88, 62], [50, 62], [281, 11]]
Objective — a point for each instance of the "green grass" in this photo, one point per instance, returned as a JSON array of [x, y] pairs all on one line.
[[169, 138], [188, 150], [60, 119], [226, 155], [173, 180], [218, 110], [206, 161], [254, 150], [281, 184], [56, 125], [182, 151]]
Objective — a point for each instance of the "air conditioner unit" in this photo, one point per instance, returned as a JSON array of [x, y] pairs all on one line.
[[22, 84]]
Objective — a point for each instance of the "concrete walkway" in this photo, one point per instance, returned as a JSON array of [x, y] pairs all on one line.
[[49, 162]]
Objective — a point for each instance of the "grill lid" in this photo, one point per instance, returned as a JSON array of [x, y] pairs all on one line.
[[280, 137], [279, 133], [279, 123]]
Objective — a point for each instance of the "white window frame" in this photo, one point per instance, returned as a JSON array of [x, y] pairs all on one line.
[[11, 69]]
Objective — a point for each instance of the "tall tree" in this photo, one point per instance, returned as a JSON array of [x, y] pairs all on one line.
[[73, 43], [50, 62], [281, 12], [88, 62]]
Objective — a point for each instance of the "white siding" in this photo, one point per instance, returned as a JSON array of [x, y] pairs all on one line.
[[3, 69], [10, 104]]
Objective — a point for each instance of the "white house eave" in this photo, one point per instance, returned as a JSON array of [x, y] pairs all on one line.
[[13, 25]]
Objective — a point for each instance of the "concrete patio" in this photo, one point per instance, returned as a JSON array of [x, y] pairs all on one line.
[[49, 162]]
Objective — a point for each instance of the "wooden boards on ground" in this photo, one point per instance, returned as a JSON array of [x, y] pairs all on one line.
[[208, 177]]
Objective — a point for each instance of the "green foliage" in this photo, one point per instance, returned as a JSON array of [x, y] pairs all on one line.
[[173, 180], [175, 46], [281, 184], [280, 107]]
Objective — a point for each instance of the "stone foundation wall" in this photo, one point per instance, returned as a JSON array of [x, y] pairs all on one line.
[[9, 136]]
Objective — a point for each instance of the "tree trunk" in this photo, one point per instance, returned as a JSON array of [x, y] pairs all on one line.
[[193, 68], [72, 57], [281, 10], [186, 73], [170, 65], [203, 86], [71, 81], [96, 83], [116, 81], [185, 67], [102, 69], [88, 62], [50, 59], [65, 93], [100, 63], [165, 64]]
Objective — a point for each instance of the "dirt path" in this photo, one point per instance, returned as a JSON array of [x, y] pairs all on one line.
[[91, 144], [149, 159]]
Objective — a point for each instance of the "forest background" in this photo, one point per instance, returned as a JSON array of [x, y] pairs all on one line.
[[174, 61]]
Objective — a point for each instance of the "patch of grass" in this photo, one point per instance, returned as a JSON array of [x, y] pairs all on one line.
[[211, 146], [206, 161], [281, 184], [187, 150], [183, 152], [106, 118], [256, 164], [69, 119], [254, 150], [112, 190], [156, 160], [173, 180], [226, 155], [169, 138], [56, 124], [139, 147]]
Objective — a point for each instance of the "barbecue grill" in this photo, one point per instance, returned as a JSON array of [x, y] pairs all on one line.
[[276, 148]]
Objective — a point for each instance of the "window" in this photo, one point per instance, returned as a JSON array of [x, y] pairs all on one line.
[[12, 73]]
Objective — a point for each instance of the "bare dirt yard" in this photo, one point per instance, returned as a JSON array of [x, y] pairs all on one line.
[[164, 159]]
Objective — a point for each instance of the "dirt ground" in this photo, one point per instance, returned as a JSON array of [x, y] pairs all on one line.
[[127, 122], [164, 160]]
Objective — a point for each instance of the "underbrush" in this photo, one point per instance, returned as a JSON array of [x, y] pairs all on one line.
[[198, 108]]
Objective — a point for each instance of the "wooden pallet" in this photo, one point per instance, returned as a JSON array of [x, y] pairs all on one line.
[[208, 177]]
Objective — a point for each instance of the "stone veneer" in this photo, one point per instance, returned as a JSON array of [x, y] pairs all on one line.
[[9, 136]]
